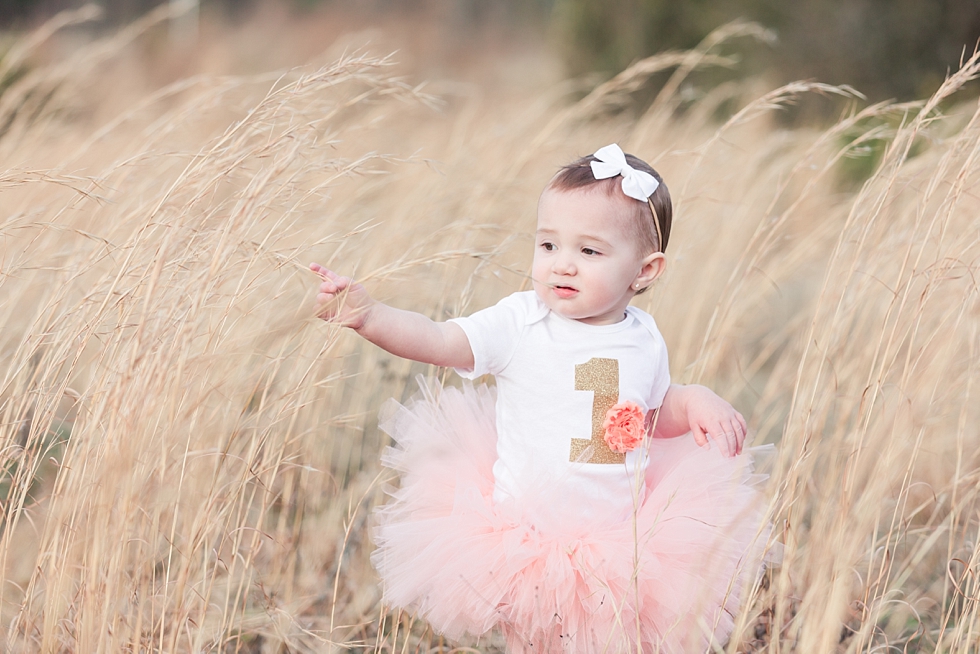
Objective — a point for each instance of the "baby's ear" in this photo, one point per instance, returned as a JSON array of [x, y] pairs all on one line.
[[651, 267]]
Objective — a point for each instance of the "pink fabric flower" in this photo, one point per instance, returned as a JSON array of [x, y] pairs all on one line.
[[623, 427]]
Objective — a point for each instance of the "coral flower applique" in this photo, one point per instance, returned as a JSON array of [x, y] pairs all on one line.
[[623, 428]]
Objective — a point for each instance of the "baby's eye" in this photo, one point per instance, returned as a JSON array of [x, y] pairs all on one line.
[[548, 246], [589, 251]]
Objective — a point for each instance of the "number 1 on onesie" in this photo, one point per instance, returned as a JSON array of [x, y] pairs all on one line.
[[601, 376]]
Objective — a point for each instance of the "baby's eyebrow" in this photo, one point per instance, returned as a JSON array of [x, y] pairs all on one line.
[[544, 231], [597, 239]]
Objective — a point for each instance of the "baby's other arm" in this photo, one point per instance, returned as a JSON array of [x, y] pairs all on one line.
[[697, 409], [403, 333]]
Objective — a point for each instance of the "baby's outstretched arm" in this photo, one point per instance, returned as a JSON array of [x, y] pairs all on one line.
[[403, 333], [697, 409]]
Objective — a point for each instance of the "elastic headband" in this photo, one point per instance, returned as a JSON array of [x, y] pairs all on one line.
[[637, 184]]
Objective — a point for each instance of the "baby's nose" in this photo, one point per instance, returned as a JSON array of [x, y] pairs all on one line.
[[564, 266]]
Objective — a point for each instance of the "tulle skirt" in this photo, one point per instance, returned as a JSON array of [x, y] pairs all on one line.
[[669, 579]]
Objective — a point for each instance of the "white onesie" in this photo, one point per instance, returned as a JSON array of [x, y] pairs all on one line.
[[556, 377]]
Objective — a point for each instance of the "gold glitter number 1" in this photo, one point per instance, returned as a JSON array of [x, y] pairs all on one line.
[[602, 377]]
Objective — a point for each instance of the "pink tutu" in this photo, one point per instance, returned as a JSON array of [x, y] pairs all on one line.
[[670, 578]]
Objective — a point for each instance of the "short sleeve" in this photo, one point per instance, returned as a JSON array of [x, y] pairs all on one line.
[[660, 379], [661, 376], [494, 332]]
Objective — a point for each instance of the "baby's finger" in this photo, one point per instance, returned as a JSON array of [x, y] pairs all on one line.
[[327, 274], [723, 436], [732, 444], [739, 435], [319, 270], [700, 437], [334, 283], [340, 283], [716, 431]]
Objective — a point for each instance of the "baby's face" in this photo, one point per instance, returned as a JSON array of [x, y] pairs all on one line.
[[586, 260]]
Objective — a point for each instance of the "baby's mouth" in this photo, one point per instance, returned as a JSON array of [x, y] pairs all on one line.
[[564, 292]]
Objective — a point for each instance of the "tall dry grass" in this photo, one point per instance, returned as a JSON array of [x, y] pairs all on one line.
[[189, 457]]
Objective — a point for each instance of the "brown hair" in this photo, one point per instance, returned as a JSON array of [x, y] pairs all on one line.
[[650, 218]]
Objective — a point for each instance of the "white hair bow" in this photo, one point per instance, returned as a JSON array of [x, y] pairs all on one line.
[[636, 183]]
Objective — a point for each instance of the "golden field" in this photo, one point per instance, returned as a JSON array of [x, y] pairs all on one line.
[[190, 457]]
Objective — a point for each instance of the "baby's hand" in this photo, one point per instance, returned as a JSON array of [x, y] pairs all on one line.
[[711, 416], [340, 299]]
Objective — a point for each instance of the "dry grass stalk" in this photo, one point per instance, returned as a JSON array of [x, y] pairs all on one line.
[[189, 457]]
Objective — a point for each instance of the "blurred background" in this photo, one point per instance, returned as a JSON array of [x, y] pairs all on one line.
[[188, 457], [887, 49]]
